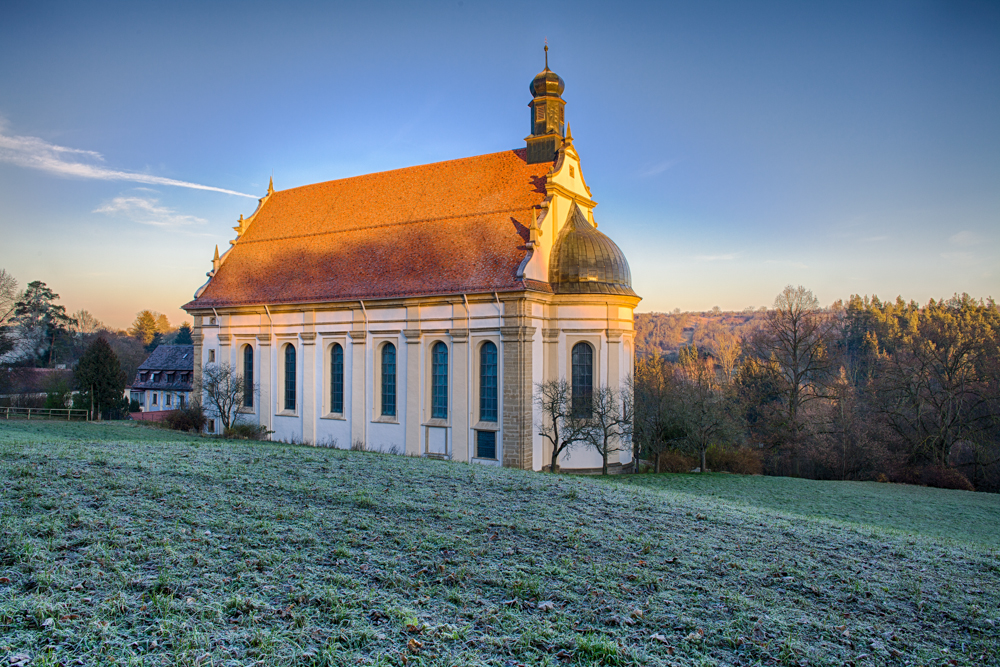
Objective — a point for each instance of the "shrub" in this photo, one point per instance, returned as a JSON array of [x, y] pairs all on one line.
[[191, 418], [247, 432], [674, 461], [737, 460]]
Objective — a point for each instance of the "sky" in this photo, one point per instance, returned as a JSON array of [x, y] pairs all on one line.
[[733, 147]]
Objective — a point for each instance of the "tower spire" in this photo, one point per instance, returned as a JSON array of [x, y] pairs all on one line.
[[548, 126]]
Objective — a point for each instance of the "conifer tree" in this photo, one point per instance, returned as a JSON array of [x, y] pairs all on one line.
[[100, 377]]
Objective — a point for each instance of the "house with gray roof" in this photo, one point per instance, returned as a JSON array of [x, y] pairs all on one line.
[[164, 381]]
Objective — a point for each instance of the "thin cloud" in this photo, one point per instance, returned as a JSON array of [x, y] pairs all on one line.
[[716, 258], [964, 238], [147, 211], [657, 168], [35, 153]]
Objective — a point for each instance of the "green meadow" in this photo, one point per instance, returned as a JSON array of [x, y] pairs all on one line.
[[125, 545]]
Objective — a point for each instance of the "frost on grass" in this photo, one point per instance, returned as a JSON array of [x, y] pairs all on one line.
[[133, 546]]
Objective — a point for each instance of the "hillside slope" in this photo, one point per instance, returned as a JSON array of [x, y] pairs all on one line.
[[123, 545]]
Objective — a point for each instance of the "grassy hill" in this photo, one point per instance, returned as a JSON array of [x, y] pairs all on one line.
[[123, 545]]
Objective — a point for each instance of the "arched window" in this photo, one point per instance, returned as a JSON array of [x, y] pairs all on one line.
[[439, 381], [388, 380], [247, 376], [488, 382], [290, 377], [583, 379], [337, 379]]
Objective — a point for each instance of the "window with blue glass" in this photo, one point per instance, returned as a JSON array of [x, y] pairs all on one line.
[[337, 379], [488, 382], [439, 381], [247, 376], [388, 380], [290, 378], [486, 444], [583, 379]]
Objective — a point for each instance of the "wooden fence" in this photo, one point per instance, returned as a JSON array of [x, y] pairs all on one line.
[[67, 414]]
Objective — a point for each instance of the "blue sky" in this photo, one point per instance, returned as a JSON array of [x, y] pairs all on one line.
[[734, 147]]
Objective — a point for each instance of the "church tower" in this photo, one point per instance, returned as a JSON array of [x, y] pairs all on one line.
[[548, 125]]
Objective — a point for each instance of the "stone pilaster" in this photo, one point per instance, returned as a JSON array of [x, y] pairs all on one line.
[[309, 388], [412, 391], [359, 386], [517, 396], [461, 393], [266, 408]]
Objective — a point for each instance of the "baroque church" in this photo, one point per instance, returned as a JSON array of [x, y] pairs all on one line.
[[416, 310]]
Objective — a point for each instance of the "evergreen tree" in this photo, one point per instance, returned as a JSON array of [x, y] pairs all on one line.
[[184, 335], [100, 377], [155, 342], [41, 321]]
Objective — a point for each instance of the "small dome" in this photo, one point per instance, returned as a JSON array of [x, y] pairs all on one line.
[[585, 261], [547, 84]]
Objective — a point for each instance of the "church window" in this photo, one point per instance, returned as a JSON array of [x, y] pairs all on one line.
[[583, 379], [290, 378], [388, 380], [486, 444], [211, 356], [488, 382], [247, 376], [439, 381], [337, 379]]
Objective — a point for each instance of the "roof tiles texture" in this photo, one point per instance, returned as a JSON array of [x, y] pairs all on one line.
[[445, 228]]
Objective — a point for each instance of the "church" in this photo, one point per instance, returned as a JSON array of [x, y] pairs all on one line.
[[415, 311]]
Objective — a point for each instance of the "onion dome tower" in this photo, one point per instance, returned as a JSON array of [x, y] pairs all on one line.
[[548, 125], [585, 261]]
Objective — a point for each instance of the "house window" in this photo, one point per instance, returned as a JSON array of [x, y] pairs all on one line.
[[247, 376], [154, 398], [337, 379], [182, 399], [211, 356], [388, 380], [583, 379], [290, 378], [167, 399], [210, 427], [439, 381], [486, 444], [488, 382]]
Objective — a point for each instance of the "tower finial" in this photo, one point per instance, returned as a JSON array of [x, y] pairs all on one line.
[[546, 53], [270, 186]]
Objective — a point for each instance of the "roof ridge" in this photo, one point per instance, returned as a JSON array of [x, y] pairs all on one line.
[[383, 226], [397, 169]]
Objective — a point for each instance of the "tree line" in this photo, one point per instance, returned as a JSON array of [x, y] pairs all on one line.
[[862, 390], [36, 332]]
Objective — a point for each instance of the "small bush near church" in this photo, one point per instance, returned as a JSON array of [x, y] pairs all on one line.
[[191, 418], [247, 432], [734, 459]]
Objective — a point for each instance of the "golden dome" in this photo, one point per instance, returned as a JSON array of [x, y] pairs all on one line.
[[585, 261]]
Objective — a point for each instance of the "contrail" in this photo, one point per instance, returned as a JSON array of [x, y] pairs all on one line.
[[35, 153]]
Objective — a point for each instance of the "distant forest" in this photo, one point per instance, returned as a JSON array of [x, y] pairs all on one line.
[[860, 390]]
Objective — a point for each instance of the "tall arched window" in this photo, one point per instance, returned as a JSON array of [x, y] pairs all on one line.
[[247, 376], [439, 381], [388, 380], [488, 382], [337, 379], [583, 379], [290, 377]]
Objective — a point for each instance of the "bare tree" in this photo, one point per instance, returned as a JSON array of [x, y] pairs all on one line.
[[8, 295], [727, 348], [701, 405], [558, 425], [795, 338], [609, 427], [224, 389]]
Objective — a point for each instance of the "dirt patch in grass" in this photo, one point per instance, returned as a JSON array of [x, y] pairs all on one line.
[[132, 546]]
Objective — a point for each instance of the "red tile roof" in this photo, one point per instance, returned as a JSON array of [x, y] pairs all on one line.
[[446, 228]]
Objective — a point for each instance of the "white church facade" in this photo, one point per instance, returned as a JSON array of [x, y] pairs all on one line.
[[416, 310]]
